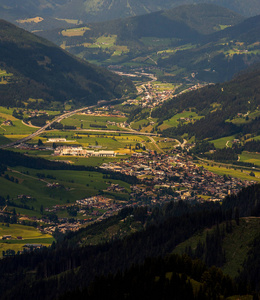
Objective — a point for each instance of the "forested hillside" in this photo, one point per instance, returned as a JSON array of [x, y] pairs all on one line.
[[220, 55], [218, 104], [69, 266], [38, 69]]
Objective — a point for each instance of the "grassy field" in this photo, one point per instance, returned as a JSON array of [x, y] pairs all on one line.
[[236, 244], [220, 169], [31, 20], [177, 119], [106, 43], [110, 141], [87, 120], [250, 157], [74, 31], [160, 86], [222, 142], [29, 234], [15, 131], [73, 185]]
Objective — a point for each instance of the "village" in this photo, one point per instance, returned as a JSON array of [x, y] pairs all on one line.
[[175, 177], [161, 178]]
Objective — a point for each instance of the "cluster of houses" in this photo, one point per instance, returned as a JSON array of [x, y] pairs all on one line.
[[7, 123], [183, 179], [99, 202]]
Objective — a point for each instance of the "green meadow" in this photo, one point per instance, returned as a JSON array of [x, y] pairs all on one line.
[[223, 142], [85, 121], [236, 172], [72, 186], [253, 158], [180, 118], [29, 234]]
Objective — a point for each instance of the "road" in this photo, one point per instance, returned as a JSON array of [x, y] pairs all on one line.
[[42, 129], [67, 115], [156, 145], [132, 132]]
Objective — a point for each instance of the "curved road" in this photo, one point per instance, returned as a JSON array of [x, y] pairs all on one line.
[[42, 129], [64, 116]]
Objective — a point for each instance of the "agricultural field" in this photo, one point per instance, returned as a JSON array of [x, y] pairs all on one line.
[[249, 157], [85, 121], [142, 125], [29, 234], [161, 86], [167, 145], [222, 169], [106, 43]]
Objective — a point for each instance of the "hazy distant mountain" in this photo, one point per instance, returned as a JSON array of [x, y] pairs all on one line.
[[221, 54], [201, 42], [101, 10], [42, 70]]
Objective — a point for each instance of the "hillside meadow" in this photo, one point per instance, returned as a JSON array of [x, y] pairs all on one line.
[[29, 234]]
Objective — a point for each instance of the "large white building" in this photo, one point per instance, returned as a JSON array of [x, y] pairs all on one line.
[[79, 151]]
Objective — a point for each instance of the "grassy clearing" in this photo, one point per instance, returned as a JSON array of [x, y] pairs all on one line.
[[31, 20], [75, 31], [108, 43], [250, 157], [222, 142], [29, 234], [183, 118], [236, 244]]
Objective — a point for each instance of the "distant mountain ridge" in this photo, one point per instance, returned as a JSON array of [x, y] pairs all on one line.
[[207, 43], [222, 54], [97, 11], [41, 70]]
